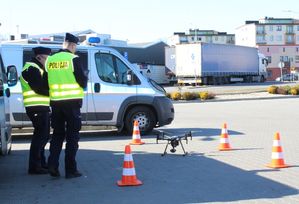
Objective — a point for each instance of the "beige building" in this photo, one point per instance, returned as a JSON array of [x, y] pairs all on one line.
[[196, 35], [277, 39]]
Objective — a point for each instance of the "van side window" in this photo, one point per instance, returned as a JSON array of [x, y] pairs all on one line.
[[111, 69], [27, 55], [122, 71], [83, 58]]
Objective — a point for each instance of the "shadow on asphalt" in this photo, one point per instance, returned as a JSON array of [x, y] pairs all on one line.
[[190, 179], [205, 134]]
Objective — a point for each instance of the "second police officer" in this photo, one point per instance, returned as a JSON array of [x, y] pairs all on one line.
[[67, 79], [36, 101]]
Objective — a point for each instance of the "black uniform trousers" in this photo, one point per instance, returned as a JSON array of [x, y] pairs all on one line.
[[41, 124], [66, 124]]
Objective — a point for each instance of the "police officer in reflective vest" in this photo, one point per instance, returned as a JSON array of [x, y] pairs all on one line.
[[67, 79], [36, 101]]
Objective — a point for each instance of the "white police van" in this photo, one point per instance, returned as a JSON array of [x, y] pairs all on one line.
[[117, 92], [7, 79]]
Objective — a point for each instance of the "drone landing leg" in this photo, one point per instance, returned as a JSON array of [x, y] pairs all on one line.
[[165, 149], [185, 153]]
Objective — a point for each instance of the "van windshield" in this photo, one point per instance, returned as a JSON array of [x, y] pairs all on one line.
[[157, 86]]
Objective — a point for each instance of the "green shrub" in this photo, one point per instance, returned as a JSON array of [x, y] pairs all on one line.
[[294, 91], [175, 95], [196, 95], [203, 95], [206, 95], [287, 88], [272, 89], [188, 96], [296, 87]]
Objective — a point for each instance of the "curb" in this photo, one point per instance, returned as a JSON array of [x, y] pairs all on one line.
[[235, 99]]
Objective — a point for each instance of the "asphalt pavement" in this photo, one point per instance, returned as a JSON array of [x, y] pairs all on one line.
[[205, 175]]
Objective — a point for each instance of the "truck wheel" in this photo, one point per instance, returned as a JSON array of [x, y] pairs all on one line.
[[145, 117]]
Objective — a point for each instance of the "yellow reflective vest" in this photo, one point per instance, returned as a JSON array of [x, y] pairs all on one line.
[[61, 78], [31, 98]]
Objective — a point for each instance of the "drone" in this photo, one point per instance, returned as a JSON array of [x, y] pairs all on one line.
[[174, 141]]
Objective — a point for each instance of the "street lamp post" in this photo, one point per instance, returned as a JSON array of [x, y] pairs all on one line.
[[281, 65]]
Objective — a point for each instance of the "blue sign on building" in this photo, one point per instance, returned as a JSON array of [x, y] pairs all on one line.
[[126, 55]]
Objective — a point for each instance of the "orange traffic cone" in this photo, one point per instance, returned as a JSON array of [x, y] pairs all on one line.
[[277, 155], [136, 140], [224, 143], [129, 175]]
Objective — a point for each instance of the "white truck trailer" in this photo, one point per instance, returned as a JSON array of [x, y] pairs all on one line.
[[207, 63]]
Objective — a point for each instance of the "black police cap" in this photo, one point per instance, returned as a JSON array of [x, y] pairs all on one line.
[[41, 51], [71, 38]]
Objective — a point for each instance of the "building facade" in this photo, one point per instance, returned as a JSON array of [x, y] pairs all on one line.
[[277, 39], [196, 35]]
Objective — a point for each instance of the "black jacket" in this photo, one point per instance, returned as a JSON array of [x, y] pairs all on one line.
[[38, 83]]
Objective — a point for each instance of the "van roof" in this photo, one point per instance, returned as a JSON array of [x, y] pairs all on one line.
[[53, 46], [56, 46]]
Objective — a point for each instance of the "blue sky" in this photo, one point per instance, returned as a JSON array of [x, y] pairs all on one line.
[[137, 20]]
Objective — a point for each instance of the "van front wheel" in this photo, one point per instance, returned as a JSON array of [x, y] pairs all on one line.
[[145, 117]]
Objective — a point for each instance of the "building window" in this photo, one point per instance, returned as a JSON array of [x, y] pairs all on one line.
[[209, 39], [290, 29], [192, 38], [268, 49], [297, 27], [199, 38], [216, 38], [271, 38], [297, 38], [297, 58], [279, 38], [297, 49], [260, 39], [260, 29], [286, 59], [269, 59], [283, 49], [290, 39], [271, 27], [278, 28]]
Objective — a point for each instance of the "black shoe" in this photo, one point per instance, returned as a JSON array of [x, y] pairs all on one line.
[[53, 172], [39, 170], [45, 166], [73, 175]]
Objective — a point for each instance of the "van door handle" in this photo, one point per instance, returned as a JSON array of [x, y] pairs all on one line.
[[7, 92], [97, 87]]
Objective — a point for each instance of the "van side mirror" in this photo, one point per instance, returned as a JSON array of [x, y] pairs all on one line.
[[12, 75]]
